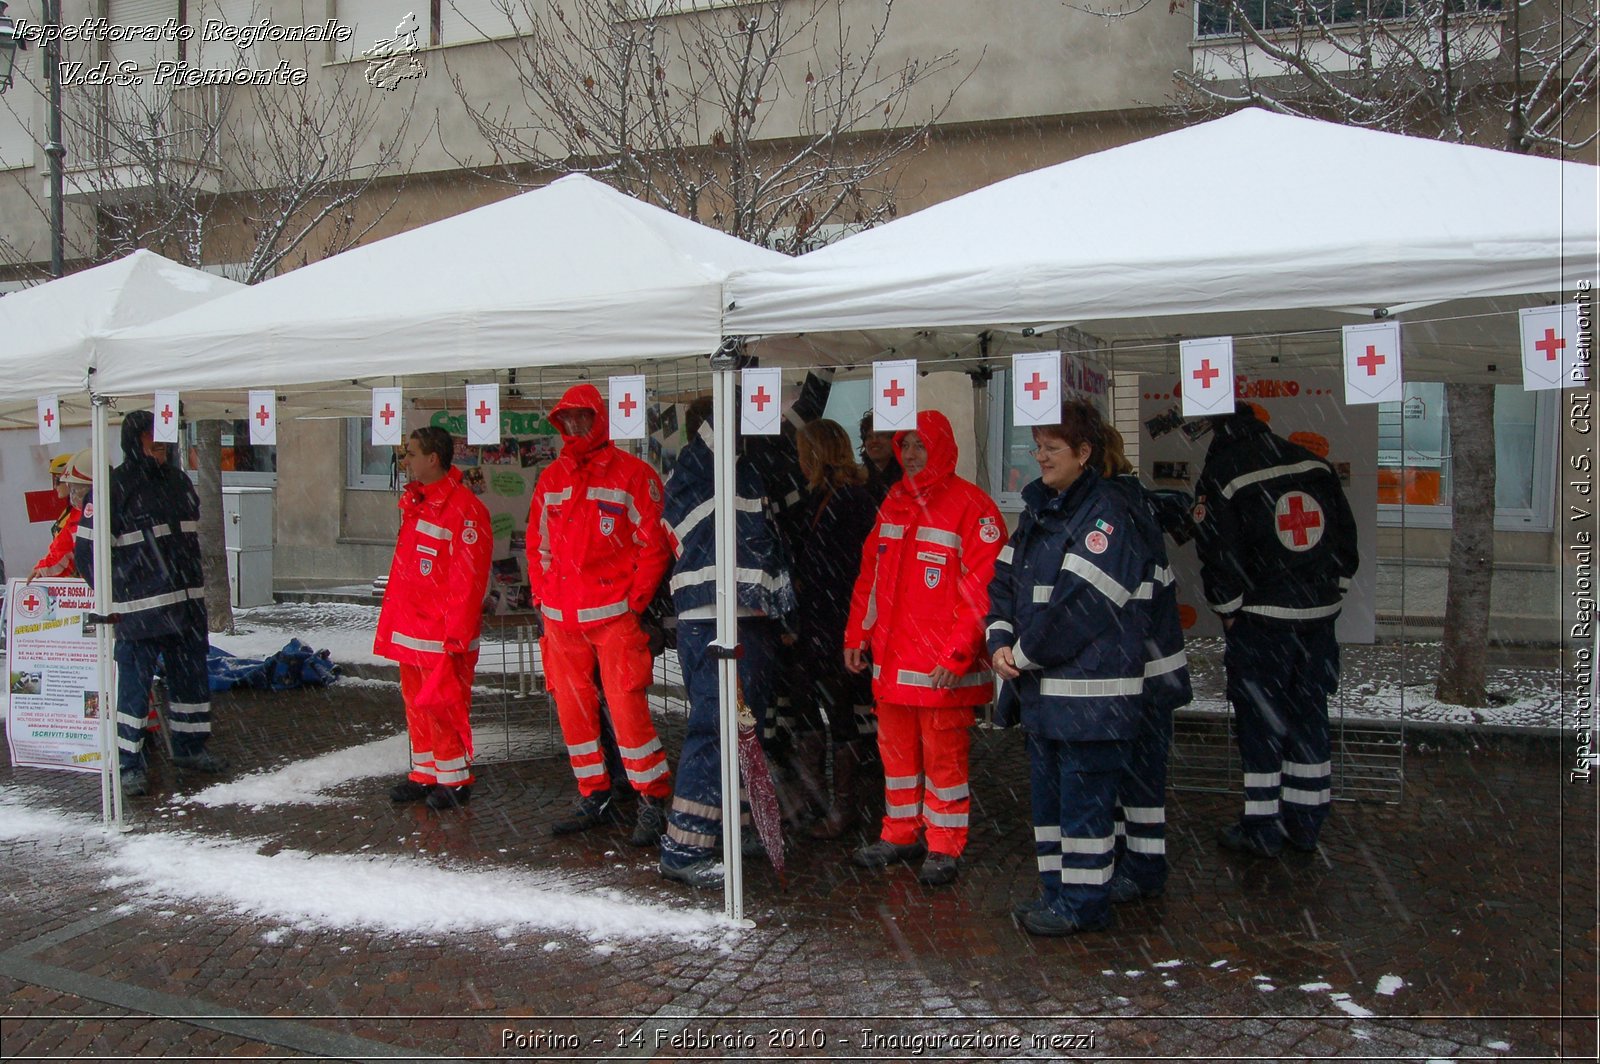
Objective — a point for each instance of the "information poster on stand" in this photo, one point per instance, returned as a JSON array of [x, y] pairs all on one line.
[[53, 708]]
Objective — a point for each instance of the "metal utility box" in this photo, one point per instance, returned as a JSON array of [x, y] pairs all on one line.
[[247, 535]]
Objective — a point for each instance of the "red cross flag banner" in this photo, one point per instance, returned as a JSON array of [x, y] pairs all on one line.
[[1372, 363], [264, 418], [1551, 349], [759, 393], [628, 421], [894, 395], [165, 411], [1036, 388], [1206, 376], [388, 426], [49, 419], [483, 415]]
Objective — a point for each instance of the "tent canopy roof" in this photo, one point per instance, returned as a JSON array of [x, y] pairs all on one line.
[[48, 332], [574, 272], [1255, 212]]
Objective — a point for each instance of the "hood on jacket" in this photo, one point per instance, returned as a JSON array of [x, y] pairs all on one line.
[[583, 397], [134, 426], [940, 442]]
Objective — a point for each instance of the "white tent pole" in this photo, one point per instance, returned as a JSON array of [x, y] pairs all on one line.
[[105, 634], [723, 484]]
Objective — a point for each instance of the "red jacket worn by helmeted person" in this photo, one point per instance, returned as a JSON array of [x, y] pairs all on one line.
[[434, 601], [920, 600], [596, 547]]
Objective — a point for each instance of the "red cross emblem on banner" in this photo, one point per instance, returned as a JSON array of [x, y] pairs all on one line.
[[1551, 345], [31, 603], [1036, 387], [483, 412], [166, 414], [893, 393], [262, 416], [1299, 519], [1371, 361], [760, 398], [627, 404], [1206, 373], [49, 418], [387, 413]]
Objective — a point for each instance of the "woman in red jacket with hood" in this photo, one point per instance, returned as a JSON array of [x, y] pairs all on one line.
[[918, 610]]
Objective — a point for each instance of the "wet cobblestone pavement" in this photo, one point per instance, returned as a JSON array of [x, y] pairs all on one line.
[[1458, 922]]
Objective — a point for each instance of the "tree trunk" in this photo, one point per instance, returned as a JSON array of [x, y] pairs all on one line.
[[213, 548], [1462, 664]]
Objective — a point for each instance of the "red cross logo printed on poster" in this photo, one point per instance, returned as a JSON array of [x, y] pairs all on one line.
[[263, 418], [166, 410], [1372, 363], [760, 391], [1205, 376], [1036, 394], [628, 405], [31, 604], [1554, 354], [1299, 521]]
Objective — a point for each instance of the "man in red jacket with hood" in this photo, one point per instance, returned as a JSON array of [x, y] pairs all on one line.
[[432, 616], [918, 609], [596, 551]]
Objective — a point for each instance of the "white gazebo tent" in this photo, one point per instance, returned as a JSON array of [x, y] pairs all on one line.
[[1256, 221], [50, 334], [571, 274], [49, 331], [1273, 229]]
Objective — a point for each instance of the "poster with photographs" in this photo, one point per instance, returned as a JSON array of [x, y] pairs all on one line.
[[53, 694]]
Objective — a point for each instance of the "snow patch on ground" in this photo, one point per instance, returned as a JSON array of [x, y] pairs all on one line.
[[303, 782], [1389, 984], [393, 894]]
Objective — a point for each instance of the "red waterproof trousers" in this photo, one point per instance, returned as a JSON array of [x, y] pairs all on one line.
[[924, 750], [438, 701], [622, 653]]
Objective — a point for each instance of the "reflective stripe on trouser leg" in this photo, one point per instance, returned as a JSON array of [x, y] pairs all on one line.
[[1257, 660], [136, 668], [1045, 800], [569, 664], [1141, 799], [1307, 769], [900, 746], [694, 821], [946, 796], [623, 653], [1081, 837], [183, 664], [438, 700]]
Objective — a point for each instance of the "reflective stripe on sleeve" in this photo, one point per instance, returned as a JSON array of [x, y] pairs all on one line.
[[925, 679], [1162, 666], [600, 613], [1289, 613]]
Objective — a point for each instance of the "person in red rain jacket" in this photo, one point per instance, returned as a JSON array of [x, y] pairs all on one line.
[[432, 615], [76, 477], [918, 609], [596, 552]]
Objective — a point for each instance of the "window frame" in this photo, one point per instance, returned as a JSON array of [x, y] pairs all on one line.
[[1540, 517], [356, 431]]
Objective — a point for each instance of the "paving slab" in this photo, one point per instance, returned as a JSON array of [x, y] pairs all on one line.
[[1456, 922]]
